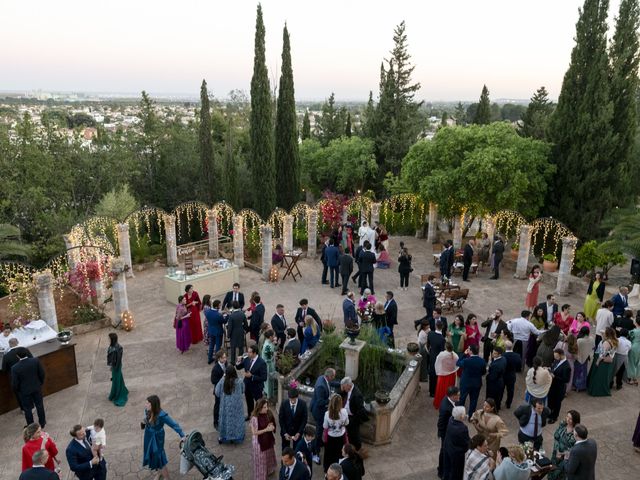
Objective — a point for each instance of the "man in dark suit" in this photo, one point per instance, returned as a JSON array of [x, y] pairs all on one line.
[[494, 326], [354, 403], [279, 325], [495, 377], [81, 459], [561, 371], [550, 308], [215, 329], [429, 296], [620, 302], [435, 345], [233, 296], [332, 256], [532, 418], [292, 417], [255, 374], [349, 310], [306, 447], [10, 358], [346, 269], [467, 259], [437, 316], [237, 327], [473, 369], [497, 251], [292, 468], [582, 457], [27, 378], [514, 365], [367, 261], [38, 471], [217, 372], [301, 313], [391, 309], [257, 319], [444, 414], [456, 444], [323, 259], [292, 344], [446, 259], [319, 405]]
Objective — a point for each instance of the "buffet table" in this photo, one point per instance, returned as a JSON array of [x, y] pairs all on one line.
[[59, 363], [215, 282]]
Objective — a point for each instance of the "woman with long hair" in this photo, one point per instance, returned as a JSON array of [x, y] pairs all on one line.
[[563, 318], [351, 463], [533, 288], [311, 334], [457, 334], [422, 345], [446, 368], [230, 391], [581, 362], [35, 439], [539, 320], [601, 372], [335, 422], [563, 440], [547, 342], [154, 456], [194, 305], [578, 322], [263, 440], [181, 325], [119, 392], [538, 381], [634, 354], [404, 268], [570, 347], [268, 354], [595, 296], [488, 423], [472, 331]]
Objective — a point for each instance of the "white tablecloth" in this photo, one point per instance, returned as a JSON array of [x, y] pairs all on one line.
[[35, 332]]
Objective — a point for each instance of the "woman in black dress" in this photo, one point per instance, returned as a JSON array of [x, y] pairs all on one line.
[[404, 268], [351, 463]]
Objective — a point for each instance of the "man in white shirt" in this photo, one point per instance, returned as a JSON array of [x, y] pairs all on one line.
[[522, 328], [604, 319], [621, 359]]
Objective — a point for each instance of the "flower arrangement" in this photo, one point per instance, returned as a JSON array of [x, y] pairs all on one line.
[[328, 326], [293, 384]]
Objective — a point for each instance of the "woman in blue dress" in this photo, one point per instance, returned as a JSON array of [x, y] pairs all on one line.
[[154, 421], [230, 391], [311, 334]]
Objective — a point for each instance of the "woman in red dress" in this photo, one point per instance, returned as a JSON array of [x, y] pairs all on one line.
[[563, 319], [193, 306], [446, 371], [533, 288], [35, 439], [472, 331]]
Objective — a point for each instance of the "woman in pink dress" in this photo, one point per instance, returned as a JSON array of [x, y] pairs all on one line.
[[472, 331], [194, 305], [533, 288], [263, 442], [579, 322], [181, 324]]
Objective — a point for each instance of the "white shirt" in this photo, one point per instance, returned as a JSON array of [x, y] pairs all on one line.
[[604, 319], [97, 438], [336, 427], [346, 404], [422, 337], [290, 468], [522, 328], [624, 345], [549, 314]]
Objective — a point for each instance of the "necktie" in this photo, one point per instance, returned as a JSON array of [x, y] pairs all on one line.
[[283, 321], [235, 297], [86, 444], [535, 426], [304, 314], [287, 473], [293, 408]]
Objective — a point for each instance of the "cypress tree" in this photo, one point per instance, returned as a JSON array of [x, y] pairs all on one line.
[[330, 124], [368, 123], [624, 86], [261, 162], [536, 117], [205, 144], [347, 128], [230, 171], [584, 187], [460, 114], [287, 156], [445, 117], [306, 126], [483, 112]]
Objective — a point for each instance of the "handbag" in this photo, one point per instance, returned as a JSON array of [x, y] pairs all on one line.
[[180, 323]]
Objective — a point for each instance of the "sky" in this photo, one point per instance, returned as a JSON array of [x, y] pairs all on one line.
[[162, 46]]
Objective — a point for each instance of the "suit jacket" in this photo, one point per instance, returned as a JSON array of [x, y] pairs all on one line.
[[498, 250], [311, 312], [292, 423], [257, 319], [502, 327], [582, 461], [349, 311], [523, 414], [228, 298], [392, 312], [320, 400], [514, 365], [279, 326], [293, 346], [456, 440], [619, 304], [445, 325], [467, 256], [299, 472], [435, 345], [306, 450], [346, 264], [444, 414], [367, 260], [561, 376], [429, 297], [473, 369], [352, 470], [216, 375], [545, 309], [495, 373], [356, 406], [444, 259], [237, 328], [38, 473], [215, 322], [255, 384], [27, 376], [79, 458], [332, 256], [10, 358]]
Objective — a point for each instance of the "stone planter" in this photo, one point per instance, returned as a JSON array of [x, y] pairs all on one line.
[[90, 326], [548, 266], [514, 255]]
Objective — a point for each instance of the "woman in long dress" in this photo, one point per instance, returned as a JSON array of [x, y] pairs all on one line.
[[422, 344], [601, 372], [595, 295], [485, 247], [636, 436], [563, 440], [268, 354], [311, 334], [263, 441], [446, 369], [634, 354], [538, 381], [539, 320], [472, 331], [488, 423], [581, 361], [119, 392], [579, 322], [533, 288], [335, 422], [548, 341], [230, 391], [154, 457], [457, 334], [181, 324], [194, 305]]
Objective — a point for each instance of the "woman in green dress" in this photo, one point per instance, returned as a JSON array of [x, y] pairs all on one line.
[[457, 334], [563, 440], [595, 294], [119, 393], [601, 372], [633, 371], [268, 354]]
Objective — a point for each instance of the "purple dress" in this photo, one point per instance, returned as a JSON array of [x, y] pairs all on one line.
[[183, 330], [636, 434]]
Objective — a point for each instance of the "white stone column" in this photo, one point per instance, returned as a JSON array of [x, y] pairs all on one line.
[[457, 231], [490, 228], [46, 303], [124, 246], [375, 213], [212, 223], [345, 214], [287, 233], [566, 262], [171, 239], [238, 240], [312, 232], [119, 290], [71, 252], [523, 252], [433, 223], [266, 238], [97, 286], [352, 357]]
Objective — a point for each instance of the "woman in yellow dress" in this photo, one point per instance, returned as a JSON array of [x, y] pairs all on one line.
[[595, 295]]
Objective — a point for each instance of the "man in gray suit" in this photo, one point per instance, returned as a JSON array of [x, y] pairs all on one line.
[[582, 456]]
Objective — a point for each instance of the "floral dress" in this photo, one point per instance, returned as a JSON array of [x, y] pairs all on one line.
[[269, 356], [563, 440]]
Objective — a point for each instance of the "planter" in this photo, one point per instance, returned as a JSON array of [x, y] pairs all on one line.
[[514, 255], [382, 397], [413, 348], [548, 266], [352, 333], [64, 337]]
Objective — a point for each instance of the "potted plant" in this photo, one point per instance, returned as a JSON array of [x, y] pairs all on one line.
[[549, 262], [285, 363], [328, 326], [515, 249], [413, 348]]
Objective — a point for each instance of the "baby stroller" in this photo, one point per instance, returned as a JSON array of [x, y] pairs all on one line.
[[210, 466]]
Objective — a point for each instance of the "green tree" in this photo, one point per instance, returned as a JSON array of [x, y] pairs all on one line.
[[117, 203], [347, 127], [330, 124], [230, 171], [306, 126], [261, 162], [581, 131], [535, 119], [460, 114], [445, 117], [483, 112], [205, 144], [11, 244], [369, 118]]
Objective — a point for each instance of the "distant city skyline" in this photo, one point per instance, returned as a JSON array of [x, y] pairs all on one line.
[[166, 48]]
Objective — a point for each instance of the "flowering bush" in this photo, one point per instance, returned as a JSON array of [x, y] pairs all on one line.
[[331, 207], [87, 272]]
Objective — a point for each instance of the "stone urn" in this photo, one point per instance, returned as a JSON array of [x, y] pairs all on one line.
[[382, 397], [352, 333], [413, 348], [64, 337]]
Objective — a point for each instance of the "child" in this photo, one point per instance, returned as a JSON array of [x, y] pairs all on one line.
[[305, 447], [97, 435]]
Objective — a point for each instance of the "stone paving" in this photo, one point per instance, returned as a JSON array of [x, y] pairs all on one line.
[[153, 366]]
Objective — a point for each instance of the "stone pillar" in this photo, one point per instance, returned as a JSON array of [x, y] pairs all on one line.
[[287, 233], [523, 252], [212, 223], [97, 286], [171, 239], [490, 228], [312, 232], [119, 290], [46, 303], [351, 357], [345, 214], [71, 252], [433, 223], [125, 246], [375, 213], [457, 232], [266, 233], [566, 262], [238, 240]]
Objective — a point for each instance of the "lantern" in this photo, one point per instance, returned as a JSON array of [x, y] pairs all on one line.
[[127, 321], [273, 274]]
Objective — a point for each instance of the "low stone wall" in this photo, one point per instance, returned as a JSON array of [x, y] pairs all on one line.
[[89, 326]]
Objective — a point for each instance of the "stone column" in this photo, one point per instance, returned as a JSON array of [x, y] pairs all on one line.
[[238, 240], [312, 232], [523, 252], [566, 262], [433, 223], [46, 303], [71, 252], [266, 233], [375, 213], [490, 228], [171, 239], [351, 357], [457, 231], [212, 223], [345, 214], [97, 286], [125, 246], [119, 290], [287, 233]]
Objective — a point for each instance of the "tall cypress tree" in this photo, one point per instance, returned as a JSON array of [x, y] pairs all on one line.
[[483, 113], [536, 117], [287, 156], [624, 86], [347, 127], [584, 188], [261, 163], [230, 171], [205, 144], [460, 114], [306, 126], [368, 122]]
